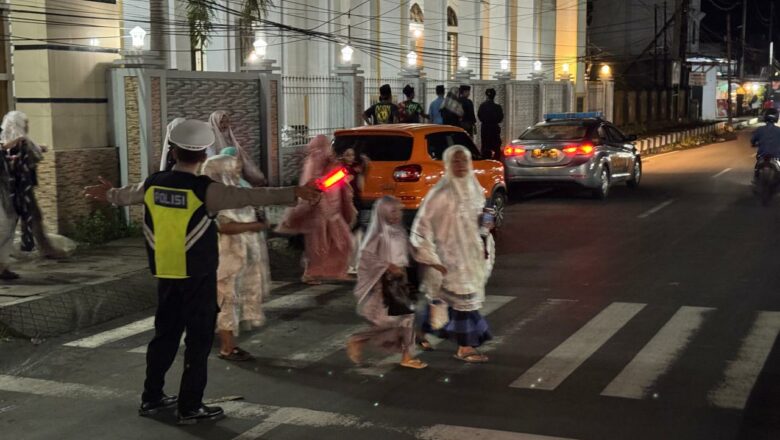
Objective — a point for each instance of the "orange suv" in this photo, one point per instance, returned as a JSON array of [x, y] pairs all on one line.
[[406, 163]]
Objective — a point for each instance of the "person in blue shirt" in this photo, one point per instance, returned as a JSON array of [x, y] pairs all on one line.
[[435, 107], [767, 138]]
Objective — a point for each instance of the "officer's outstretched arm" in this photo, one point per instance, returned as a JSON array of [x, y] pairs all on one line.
[[105, 192], [219, 196]]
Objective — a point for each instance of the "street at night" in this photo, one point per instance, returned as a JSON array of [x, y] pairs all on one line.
[[651, 315]]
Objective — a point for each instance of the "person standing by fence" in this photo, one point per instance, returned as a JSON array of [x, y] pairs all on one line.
[[490, 115], [384, 111], [410, 112], [434, 110], [469, 121]]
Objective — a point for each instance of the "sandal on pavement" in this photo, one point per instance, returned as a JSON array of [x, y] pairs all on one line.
[[237, 355], [473, 357], [424, 345], [414, 363]]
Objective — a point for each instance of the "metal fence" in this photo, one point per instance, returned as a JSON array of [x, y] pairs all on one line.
[[311, 107], [372, 85]]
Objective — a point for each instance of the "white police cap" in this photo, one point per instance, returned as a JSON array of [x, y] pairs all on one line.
[[193, 135]]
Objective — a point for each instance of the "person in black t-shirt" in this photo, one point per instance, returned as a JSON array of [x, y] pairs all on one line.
[[384, 111]]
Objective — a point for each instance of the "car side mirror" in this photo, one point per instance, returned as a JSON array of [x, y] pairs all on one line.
[[631, 138]]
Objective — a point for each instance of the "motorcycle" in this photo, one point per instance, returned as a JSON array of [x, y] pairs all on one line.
[[767, 178]]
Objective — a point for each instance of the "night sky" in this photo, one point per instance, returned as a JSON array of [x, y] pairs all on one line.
[[713, 30]]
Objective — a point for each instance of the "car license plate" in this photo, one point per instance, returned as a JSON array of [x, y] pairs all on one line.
[[538, 153]]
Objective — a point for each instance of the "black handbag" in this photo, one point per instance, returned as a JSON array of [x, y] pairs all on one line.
[[397, 295]]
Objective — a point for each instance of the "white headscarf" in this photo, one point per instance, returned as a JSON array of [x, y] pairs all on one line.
[[166, 145], [226, 138], [14, 127]]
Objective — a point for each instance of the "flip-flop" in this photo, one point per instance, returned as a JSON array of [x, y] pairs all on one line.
[[237, 355], [414, 364], [472, 358], [425, 345]]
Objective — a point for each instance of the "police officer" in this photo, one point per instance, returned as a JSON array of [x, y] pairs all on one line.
[[181, 241]]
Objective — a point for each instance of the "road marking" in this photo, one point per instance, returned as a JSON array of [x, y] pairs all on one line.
[[326, 347], [273, 416], [52, 388], [116, 334], [741, 374], [301, 299], [721, 173], [655, 209], [382, 367], [554, 368], [656, 156], [535, 313], [449, 432], [657, 356]]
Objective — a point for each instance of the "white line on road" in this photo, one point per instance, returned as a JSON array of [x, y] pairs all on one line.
[[657, 356], [116, 334], [655, 209], [741, 374], [492, 303], [721, 173], [449, 432], [273, 416], [554, 368], [325, 348]]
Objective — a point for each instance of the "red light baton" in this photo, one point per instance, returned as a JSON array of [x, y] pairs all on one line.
[[331, 179]]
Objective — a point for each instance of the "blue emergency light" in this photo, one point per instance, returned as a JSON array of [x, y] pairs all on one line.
[[573, 115]]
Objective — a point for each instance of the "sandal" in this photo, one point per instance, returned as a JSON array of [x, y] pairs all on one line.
[[237, 355], [414, 363], [354, 353], [424, 345], [473, 357]]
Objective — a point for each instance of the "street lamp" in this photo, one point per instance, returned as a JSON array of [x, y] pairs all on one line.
[[565, 68], [537, 66], [504, 64], [138, 35], [605, 72], [260, 46], [346, 54], [411, 59], [463, 62]]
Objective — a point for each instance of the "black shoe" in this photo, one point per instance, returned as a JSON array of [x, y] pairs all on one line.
[[7, 275], [151, 408], [199, 415]]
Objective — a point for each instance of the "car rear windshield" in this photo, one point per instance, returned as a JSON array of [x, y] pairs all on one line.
[[554, 132], [379, 148]]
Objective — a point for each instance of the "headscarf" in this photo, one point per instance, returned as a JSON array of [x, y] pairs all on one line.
[[452, 103], [166, 144], [376, 251], [467, 189], [225, 139], [14, 127]]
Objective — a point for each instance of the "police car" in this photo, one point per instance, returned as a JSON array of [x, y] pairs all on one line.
[[579, 148]]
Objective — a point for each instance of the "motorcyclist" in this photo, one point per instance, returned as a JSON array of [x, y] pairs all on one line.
[[767, 138]]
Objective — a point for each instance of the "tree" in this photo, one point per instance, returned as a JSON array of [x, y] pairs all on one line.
[[200, 15]]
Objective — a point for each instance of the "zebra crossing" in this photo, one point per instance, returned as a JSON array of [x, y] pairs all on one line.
[[557, 364]]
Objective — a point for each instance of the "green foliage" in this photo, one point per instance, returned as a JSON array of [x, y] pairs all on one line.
[[102, 226], [201, 14]]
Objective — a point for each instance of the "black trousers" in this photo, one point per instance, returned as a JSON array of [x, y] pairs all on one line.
[[187, 304]]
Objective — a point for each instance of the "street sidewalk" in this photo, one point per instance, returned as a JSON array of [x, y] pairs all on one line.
[[94, 285]]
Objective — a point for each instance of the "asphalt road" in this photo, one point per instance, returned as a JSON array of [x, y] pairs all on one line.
[[652, 315]]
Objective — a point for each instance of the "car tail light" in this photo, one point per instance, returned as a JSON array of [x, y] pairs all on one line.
[[579, 150], [407, 173], [514, 150]]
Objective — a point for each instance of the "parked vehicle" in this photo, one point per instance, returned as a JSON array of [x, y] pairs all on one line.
[[405, 162], [767, 178], [579, 148]]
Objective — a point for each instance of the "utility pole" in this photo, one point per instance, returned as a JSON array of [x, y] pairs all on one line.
[[771, 38], [666, 53], [728, 69], [742, 51], [655, 45]]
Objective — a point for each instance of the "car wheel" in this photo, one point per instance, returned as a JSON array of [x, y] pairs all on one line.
[[499, 200], [602, 191], [637, 176]]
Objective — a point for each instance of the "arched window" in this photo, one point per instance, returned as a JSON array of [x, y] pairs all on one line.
[[452, 18], [416, 13]]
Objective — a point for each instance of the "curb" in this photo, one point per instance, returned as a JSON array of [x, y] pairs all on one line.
[[80, 307], [655, 143]]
